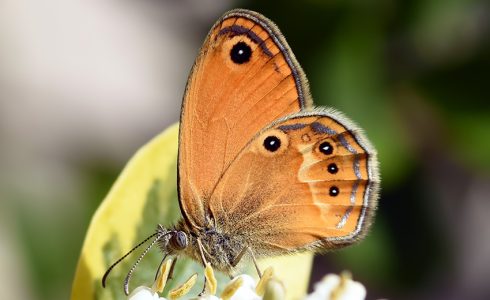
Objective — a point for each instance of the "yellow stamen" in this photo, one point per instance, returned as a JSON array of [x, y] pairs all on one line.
[[162, 277], [274, 290], [231, 288], [211, 283], [260, 289], [183, 289], [336, 293]]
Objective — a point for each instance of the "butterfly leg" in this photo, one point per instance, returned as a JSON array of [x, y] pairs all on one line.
[[159, 266], [255, 261], [171, 272], [204, 262], [237, 259], [201, 252]]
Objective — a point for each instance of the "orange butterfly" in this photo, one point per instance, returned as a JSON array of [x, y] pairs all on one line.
[[261, 171]]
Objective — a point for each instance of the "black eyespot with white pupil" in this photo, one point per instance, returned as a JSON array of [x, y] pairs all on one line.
[[240, 53], [334, 191], [326, 148], [272, 143], [332, 168]]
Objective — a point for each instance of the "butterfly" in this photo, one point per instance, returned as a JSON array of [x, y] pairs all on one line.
[[261, 171]]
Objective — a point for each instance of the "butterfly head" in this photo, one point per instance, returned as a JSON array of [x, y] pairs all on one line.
[[178, 241]]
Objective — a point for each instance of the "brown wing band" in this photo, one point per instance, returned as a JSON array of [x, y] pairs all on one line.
[[239, 30], [320, 128]]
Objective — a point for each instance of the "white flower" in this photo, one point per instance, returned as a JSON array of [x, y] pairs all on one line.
[[246, 291], [244, 287], [144, 293], [240, 288], [335, 287], [206, 297]]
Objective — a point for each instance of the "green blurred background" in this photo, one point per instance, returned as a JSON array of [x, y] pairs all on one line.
[[83, 84]]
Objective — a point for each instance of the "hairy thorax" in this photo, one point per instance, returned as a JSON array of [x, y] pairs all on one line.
[[220, 249]]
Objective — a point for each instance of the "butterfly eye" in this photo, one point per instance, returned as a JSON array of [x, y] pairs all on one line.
[[179, 240], [334, 191], [272, 143], [326, 148], [332, 168], [240, 53]]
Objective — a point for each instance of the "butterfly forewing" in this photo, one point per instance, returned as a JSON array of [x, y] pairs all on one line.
[[244, 78], [316, 189]]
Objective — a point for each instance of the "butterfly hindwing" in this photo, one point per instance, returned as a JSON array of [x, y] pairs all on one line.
[[308, 181], [244, 78]]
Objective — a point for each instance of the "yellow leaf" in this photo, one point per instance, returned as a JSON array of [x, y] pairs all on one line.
[[144, 195]]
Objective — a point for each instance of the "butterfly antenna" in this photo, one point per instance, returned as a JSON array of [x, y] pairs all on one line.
[[130, 273], [125, 255]]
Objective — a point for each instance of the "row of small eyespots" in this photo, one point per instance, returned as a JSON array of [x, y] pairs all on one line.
[[272, 144], [327, 149]]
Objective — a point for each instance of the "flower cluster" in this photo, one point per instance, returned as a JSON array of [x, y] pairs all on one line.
[[244, 287]]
